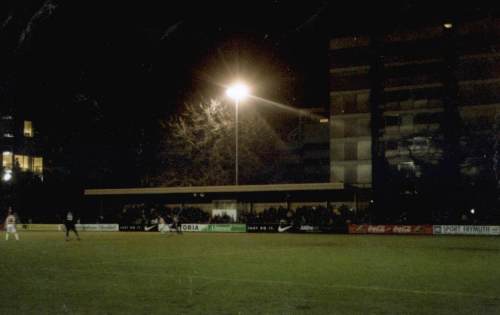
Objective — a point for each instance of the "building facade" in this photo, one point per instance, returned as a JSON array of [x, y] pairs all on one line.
[[418, 76], [313, 145], [18, 143]]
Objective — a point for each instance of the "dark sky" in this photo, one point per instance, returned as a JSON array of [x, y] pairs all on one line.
[[158, 55], [125, 54], [97, 75]]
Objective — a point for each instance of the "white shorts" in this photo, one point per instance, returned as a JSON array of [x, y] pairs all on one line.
[[11, 228]]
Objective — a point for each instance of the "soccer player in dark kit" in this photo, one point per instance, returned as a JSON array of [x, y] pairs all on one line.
[[69, 224]]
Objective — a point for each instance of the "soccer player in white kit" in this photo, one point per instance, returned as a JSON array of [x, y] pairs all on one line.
[[10, 225], [162, 225]]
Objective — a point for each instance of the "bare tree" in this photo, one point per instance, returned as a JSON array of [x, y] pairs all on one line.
[[199, 147]]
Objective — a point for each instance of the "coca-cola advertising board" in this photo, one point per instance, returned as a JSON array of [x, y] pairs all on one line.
[[390, 229]]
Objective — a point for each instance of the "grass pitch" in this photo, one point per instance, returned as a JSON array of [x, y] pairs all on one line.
[[149, 273]]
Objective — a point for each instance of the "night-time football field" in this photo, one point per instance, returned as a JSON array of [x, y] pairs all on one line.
[[149, 273]]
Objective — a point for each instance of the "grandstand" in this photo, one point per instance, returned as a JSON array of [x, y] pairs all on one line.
[[211, 199]]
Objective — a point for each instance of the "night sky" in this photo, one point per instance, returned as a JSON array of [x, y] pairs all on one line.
[[157, 56], [97, 77]]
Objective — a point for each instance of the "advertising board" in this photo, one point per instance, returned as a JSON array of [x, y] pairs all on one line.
[[39, 227], [390, 229], [138, 228], [112, 227], [466, 229], [193, 227], [218, 228]]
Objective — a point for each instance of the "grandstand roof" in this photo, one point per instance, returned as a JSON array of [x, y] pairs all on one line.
[[214, 189]]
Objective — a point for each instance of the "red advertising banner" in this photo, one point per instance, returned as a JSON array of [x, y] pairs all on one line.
[[378, 229], [389, 229], [412, 229], [357, 228]]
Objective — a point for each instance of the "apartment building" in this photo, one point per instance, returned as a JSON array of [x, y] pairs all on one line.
[[18, 143], [420, 71]]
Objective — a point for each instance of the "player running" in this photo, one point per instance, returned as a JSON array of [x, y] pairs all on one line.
[[69, 224], [10, 225]]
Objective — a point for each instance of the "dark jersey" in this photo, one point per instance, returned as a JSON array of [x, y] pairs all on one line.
[[69, 221]]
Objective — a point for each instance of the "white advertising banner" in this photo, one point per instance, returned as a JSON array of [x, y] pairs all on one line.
[[194, 227], [467, 229], [98, 227]]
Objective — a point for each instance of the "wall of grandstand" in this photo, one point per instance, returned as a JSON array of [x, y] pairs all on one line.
[[295, 205], [259, 207], [206, 207]]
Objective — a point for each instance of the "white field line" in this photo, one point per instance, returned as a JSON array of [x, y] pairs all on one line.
[[352, 287], [179, 277]]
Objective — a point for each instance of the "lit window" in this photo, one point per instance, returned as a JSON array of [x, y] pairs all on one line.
[[323, 120], [23, 161], [28, 129], [7, 159], [38, 165], [406, 165], [7, 117], [8, 135]]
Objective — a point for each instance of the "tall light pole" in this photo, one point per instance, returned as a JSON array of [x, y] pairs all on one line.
[[237, 92]]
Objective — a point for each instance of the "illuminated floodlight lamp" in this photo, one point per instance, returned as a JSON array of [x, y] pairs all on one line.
[[237, 91]]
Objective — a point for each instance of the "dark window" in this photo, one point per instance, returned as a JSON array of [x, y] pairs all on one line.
[[351, 151], [391, 145], [350, 103], [427, 118], [350, 175], [392, 120]]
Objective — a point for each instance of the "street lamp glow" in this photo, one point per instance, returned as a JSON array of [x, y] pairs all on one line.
[[237, 91], [7, 176]]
